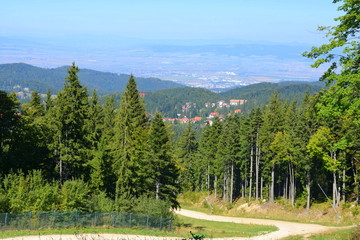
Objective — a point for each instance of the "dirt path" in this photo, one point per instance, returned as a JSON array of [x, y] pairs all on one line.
[[285, 228]]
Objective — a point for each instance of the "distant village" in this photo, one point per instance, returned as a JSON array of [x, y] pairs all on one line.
[[209, 119]]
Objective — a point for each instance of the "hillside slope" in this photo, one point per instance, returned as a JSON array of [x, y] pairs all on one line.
[[41, 79]]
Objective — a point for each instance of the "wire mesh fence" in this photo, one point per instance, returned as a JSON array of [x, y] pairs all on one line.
[[54, 219]]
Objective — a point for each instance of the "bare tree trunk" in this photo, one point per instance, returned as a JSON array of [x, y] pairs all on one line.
[[257, 162], [261, 187], [308, 190], [356, 184], [285, 194], [334, 190], [157, 188], [242, 190], [344, 184], [215, 187], [292, 185], [232, 182], [272, 184], [208, 179], [251, 171], [60, 162], [224, 187]]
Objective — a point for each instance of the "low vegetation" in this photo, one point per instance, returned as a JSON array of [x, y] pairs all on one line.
[[350, 233], [320, 213], [182, 228]]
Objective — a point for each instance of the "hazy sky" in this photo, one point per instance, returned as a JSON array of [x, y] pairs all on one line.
[[281, 21]]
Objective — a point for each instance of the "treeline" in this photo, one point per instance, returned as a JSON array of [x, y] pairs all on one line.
[[281, 150], [41, 79], [171, 101], [71, 152]]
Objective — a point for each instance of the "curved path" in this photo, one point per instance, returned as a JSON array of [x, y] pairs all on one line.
[[285, 229]]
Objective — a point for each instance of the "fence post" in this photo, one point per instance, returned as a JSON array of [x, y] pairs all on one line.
[[160, 223], [170, 225], [53, 221], [95, 219], [147, 221], [6, 216], [30, 218], [130, 219]]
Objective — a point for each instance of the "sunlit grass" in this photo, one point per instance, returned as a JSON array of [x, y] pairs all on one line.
[[350, 233], [182, 229]]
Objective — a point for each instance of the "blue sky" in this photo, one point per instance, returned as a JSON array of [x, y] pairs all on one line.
[[279, 21]]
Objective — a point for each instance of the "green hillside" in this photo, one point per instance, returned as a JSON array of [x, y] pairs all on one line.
[[41, 79], [172, 101]]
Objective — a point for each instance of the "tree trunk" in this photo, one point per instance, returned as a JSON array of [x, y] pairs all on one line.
[[257, 162], [232, 182], [356, 184], [251, 170], [157, 188], [292, 185], [261, 187], [224, 187], [60, 162], [344, 184], [308, 190], [215, 187], [272, 184], [334, 190], [208, 179]]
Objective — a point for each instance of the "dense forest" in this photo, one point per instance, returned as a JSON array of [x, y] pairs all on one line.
[[171, 101], [72, 152], [17, 76]]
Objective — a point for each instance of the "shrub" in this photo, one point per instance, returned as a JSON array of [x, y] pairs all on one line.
[[153, 207]]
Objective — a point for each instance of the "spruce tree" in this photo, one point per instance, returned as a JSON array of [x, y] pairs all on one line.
[[9, 122], [129, 143], [186, 152], [162, 170], [70, 116]]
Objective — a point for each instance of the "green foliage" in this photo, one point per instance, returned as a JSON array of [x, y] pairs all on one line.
[[129, 142], [69, 119], [186, 154], [162, 170], [153, 207], [75, 195], [99, 202], [26, 193], [342, 37]]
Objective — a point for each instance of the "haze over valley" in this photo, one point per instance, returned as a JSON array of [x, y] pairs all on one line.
[[212, 66]]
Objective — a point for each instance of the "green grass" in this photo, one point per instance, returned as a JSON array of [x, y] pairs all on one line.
[[350, 233], [195, 201], [183, 226], [225, 229], [72, 231]]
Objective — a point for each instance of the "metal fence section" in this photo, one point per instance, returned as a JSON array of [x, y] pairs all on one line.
[[54, 219]]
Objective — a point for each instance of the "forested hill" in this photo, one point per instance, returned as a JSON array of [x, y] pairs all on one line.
[[41, 79], [172, 101], [260, 93]]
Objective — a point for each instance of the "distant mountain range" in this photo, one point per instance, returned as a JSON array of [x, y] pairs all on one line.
[[167, 97], [20, 75]]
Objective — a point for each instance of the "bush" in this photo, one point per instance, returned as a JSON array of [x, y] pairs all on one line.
[[153, 207], [27, 193], [101, 203], [75, 196]]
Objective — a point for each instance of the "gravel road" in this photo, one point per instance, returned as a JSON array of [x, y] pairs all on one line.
[[285, 229]]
